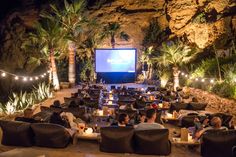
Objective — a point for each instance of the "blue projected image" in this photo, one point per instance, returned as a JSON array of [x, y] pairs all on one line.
[[115, 60]]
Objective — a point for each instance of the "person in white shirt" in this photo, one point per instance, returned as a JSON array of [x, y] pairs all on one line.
[[150, 124]]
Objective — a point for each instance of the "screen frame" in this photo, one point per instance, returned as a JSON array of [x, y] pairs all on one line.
[[135, 51]]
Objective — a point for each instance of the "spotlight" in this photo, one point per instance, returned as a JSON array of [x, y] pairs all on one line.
[[16, 78], [3, 74]]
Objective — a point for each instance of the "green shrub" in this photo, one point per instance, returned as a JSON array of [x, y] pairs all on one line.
[[21, 101], [224, 89]]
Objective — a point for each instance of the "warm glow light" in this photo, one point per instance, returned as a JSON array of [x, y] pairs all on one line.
[[212, 81], [196, 79], [182, 74], [89, 131], [48, 71], [31, 79], [203, 80], [42, 76], [3, 74], [16, 78], [36, 78], [186, 75], [25, 79]]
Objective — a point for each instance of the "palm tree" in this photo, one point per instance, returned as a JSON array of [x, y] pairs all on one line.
[[71, 19], [145, 57], [174, 54], [50, 35], [113, 30]]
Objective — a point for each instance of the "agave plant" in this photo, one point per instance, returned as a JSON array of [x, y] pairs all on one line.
[[23, 100], [42, 92]]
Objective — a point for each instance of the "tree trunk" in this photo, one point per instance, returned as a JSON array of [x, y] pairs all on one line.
[[50, 75], [55, 80], [71, 71], [113, 43], [176, 77], [218, 64]]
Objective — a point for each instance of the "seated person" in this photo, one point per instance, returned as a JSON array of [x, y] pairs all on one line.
[[28, 116], [123, 121], [73, 104], [216, 124], [151, 116], [141, 118], [57, 119], [56, 104]]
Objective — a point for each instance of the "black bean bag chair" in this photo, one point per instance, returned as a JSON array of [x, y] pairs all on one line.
[[226, 118], [178, 106], [17, 133], [50, 135], [218, 143], [152, 142], [195, 106], [117, 139]]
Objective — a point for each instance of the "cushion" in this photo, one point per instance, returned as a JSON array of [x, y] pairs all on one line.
[[218, 143], [117, 139], [226, 118], [78, 112], [178, 106], [16, 133], [196, 106], [152, 142], [50, 135]]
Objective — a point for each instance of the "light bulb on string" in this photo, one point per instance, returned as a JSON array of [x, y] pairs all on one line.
[[212, 81], [42, 76], [182, 73], [186, 75], [3, 74], [31, 79], [36, 78], [203, 80], [196, 79], [25, 79], [16, 78]]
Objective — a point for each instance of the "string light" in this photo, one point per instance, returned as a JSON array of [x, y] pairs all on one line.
[[210, 80], [24, 78], [3, 74]]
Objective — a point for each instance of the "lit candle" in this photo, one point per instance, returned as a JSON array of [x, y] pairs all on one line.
[[109, 102], [89, 131], [100, 112]]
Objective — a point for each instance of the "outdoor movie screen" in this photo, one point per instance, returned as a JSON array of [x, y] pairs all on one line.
[[115, 60]]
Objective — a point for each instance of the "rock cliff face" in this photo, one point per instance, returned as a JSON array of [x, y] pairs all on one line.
[[201, 21]]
